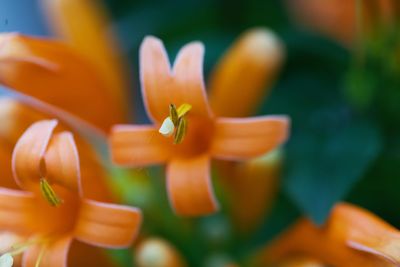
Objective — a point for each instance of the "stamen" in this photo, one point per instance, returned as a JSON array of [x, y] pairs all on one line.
[[173, 114], [40, 256], [176, 123], [6, 260], [49, 194], [180, 131]]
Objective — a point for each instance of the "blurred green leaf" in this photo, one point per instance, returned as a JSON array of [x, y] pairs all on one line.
[[323, 166]]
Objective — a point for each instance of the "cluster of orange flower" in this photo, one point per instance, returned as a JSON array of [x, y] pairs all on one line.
[[54, 188]]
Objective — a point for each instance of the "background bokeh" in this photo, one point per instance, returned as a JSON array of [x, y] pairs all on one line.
[[343, 97]]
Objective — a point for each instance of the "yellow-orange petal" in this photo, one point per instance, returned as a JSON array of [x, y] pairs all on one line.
[[189, 186], [246, 138], [245, 73], [157, 252], [162, 86], [15, 210], [251, 188], [366, 232], [62, 162], [84, 25], [54, 73], [55, 253], [330, 243], [132, 145], [107, 225], [29, 152]]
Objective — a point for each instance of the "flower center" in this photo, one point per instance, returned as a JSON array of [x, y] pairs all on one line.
[[176, 123], [55, 219], [191, 133]]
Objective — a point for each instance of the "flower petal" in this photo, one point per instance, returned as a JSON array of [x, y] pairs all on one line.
[[188, 75], [366, 232], [245, 138], [189, 186], [55, 254], [85, 26], [161, 87], [107, 225], [62, 162], [29, 151], [251, 188], [245, 73], [15, 210], [329, 243], [38, 67], [17, 117], [138, 145]]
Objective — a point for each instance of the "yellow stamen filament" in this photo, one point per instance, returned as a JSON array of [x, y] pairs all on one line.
[[180, 131], [49, 194], [40, 256], [176, 123], [173, 114]]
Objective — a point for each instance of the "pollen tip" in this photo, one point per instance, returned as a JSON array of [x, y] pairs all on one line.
[[167, 128]]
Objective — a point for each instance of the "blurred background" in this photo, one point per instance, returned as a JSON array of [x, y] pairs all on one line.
[[339, 82]]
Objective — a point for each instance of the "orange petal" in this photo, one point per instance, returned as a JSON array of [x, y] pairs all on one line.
[[251, 188], [188, 75], [55, 254], [246, 73], [85, 26], [245, 138], [29, 151], [189, 186], [328, 243], [17, 117], [62, 162], [366, 232], [107, 225], [138, 145], [161, 87], [38, 67], [15, 210]]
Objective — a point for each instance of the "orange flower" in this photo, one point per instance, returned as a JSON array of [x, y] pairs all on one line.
[[246, 73], [351, 237], [337, 18], [206, 137], [55, 73], [86, 65], [52, 211]]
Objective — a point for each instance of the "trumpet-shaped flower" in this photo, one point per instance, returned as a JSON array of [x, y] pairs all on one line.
[[204, 136], [46, 166], [57, 74], [245, 74], [351, 237]]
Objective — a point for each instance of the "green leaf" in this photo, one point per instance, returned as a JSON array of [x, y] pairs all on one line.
[[322, 166]]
